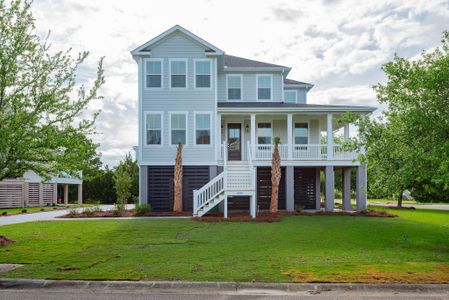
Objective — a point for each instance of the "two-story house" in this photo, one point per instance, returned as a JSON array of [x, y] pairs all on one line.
[[226, 110]]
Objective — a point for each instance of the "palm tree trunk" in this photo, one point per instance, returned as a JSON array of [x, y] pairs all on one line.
[[275, 177], [177, 201]]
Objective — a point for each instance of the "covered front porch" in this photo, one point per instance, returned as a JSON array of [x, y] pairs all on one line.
[[304, 137]]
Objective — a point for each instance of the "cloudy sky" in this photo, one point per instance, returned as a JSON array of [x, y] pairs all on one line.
[[337, 45]]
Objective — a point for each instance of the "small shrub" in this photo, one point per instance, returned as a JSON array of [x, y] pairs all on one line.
[[73, 212], [142, 209], [299, 208], [24, 211], [54, 207], [4, 213], [42, 209], [119, 208], [90, 212]]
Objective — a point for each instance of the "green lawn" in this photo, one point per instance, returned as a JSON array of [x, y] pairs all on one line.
[[412, 248]]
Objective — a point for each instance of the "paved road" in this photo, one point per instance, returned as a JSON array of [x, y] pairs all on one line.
[[38, 294], [46, 215]]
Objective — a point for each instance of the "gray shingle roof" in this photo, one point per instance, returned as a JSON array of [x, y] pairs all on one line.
[[288, 105], [291, 81], [240, 62]]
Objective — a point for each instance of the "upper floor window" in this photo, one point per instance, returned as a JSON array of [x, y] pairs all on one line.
[[178, 73], [301, 133], [264, 133], [290, 96], [178, 128], [202, 128], [264, 87], [154, 128], [203, 74], [153, 74], [234, 83]]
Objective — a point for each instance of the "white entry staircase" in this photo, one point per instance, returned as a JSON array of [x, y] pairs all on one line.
[[237, 179]]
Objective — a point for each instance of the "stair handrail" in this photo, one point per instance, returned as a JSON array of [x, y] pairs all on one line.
[[209, 191]]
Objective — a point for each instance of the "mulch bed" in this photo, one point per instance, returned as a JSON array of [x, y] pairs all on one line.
[[4, 241], [126, 213], [235, 216], [276, 217]]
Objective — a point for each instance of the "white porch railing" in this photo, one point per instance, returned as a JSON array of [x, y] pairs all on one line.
[[209, 191], [299, 152]]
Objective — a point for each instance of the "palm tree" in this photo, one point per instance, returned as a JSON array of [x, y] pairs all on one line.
[[177, 201], [275, 175]]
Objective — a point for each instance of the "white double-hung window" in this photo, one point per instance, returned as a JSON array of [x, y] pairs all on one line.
[[153, 73], [264, 87], [153, 128], [178, 128], [203, 74], [301, 133], [234, 83], [202, 128], [264, 133], [178, 73], [290, 96]]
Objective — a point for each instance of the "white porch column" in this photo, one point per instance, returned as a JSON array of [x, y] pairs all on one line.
[[66, 194], [346, 189], [225, 206], [80, 193], [41, 194], [55, 193], [330, 189], [252, 205], [253, 135], [361, 186], [290, 136], [318, 189], [330, 137], [218, 137]]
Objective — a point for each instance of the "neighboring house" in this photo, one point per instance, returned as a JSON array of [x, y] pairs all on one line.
[[226, 110], [32, 190]]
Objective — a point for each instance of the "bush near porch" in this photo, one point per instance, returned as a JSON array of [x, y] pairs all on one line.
[[411, 248]]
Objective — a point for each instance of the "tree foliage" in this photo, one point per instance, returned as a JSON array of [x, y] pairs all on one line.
[[126, 179], [408, 146], [43, 126]]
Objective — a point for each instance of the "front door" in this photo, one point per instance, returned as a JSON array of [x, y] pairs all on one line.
[[234, 141]]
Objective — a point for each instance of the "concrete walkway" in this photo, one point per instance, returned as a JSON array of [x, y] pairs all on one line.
[[50, 215], [417, 206], [76, 289]]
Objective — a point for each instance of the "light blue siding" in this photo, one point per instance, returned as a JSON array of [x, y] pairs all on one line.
[[188, 100], [249, 86]]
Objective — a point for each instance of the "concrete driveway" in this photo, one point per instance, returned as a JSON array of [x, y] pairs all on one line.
[[417, 206], [46, 215]]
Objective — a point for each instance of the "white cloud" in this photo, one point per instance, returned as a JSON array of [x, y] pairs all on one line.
[[337, 45]]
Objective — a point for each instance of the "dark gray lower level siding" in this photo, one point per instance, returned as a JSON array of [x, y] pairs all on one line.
[[159, 185]]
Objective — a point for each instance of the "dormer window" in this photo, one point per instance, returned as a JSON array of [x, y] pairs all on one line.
[[178, 73], [264, 83], [203, 74], [153, 73]]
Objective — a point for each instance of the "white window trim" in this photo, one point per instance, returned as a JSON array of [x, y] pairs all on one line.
[[296, 95], [257, 87], [194, 74], [162, 128], [241, 88], [257, 131], [308, 131], [145, 73], [169, 73], [210, 128], [169, 126]]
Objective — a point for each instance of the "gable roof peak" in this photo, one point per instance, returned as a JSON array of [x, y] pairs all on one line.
[[176, 28]]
